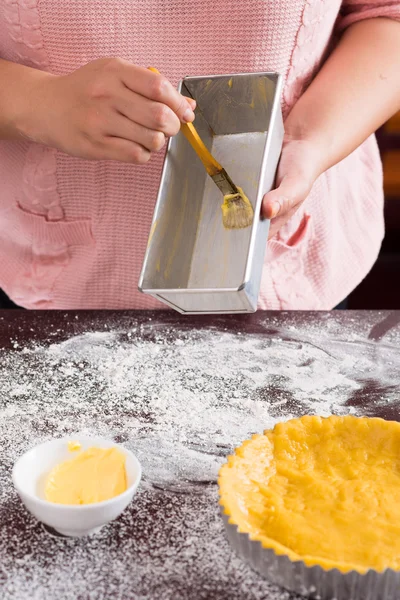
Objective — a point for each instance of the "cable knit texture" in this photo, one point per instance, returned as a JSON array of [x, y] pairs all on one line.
[[73, 232]]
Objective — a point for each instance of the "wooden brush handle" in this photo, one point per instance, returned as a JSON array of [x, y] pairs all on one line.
[[189, 131], [212, 166]]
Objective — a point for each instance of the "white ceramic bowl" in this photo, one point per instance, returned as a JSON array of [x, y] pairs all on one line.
[[29, 475]]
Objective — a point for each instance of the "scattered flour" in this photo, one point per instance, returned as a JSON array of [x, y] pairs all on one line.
[[181, 400]]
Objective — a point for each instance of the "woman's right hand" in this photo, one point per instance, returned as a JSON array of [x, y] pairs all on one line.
[[108, 109]]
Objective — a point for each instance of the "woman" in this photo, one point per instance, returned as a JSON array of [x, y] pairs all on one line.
[[77, 186]]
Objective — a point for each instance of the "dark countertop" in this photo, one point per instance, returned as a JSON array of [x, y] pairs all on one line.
[[180, 392]]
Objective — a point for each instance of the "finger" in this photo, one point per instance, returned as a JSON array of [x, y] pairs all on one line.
[[115, 148], [156, 87], [278, 222], [286, 196], [191, 101], [148, 113], [128, 130]]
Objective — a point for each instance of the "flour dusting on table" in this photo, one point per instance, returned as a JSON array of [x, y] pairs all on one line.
[[181, 399]]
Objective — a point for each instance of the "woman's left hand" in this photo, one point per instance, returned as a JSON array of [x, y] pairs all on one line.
[[297, 171], [354, 93]]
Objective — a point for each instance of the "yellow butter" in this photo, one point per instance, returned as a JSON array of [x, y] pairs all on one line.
[[95, 475], [73, 446], [326, 491]]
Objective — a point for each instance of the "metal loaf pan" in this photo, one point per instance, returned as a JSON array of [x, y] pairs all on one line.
[[192, 263], [312, 582]]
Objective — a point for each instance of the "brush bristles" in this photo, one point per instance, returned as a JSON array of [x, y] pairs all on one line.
[[237, 212]]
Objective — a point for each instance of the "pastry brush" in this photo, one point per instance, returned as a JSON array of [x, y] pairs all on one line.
[[237, 211]]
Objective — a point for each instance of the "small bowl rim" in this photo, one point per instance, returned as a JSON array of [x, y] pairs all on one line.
[[77, 507]]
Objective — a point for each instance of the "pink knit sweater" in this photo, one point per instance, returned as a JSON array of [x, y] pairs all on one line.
[[73, 232]]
